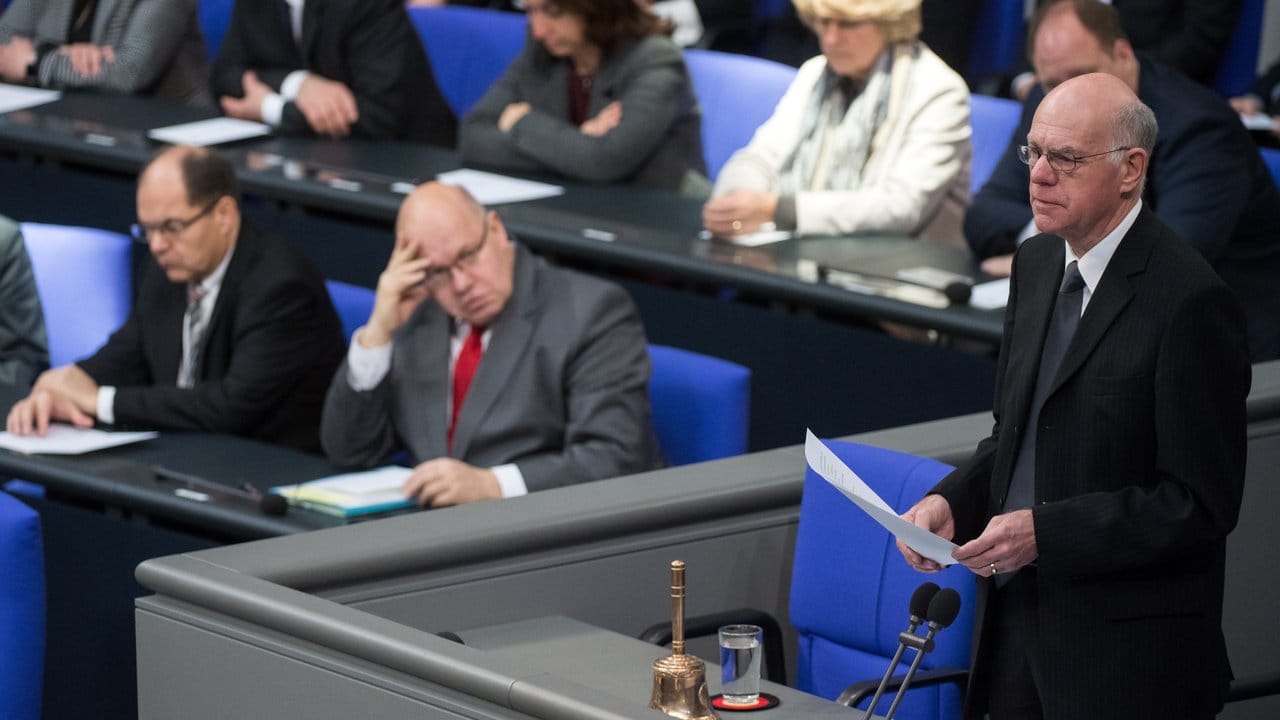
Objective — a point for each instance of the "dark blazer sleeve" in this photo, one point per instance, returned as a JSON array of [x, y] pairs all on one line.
[[1002, 208], [479, 139], [357, 428], [608, 428], [247, 45], [24, 351], [122, 361]]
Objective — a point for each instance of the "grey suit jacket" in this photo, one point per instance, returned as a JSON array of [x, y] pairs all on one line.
[[158, 44], [658, 142], [562, 390], [24, 349]]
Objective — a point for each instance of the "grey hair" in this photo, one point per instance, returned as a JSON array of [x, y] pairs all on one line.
[[1134, 126]]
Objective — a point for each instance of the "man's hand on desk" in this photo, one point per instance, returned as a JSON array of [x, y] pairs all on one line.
[[88, 59], [15, 55], [446, 481], [66, 393], [740, 212], [248, 107], [328, 105]]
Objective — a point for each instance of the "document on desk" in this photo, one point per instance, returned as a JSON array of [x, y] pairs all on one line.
[[351, 494], [68, 440], [834, 471], [990, 295], [213, 131], [493, 189], [18, 97]]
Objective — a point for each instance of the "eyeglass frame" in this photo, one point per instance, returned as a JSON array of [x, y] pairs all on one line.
[[1053, 157], [819, 24], [436, 277], [170, 227]]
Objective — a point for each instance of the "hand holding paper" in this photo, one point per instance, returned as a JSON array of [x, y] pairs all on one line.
[[834, 471]]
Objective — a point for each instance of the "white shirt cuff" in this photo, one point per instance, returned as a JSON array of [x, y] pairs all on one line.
[[107, 404], [292, 84], [366, 367], [272, 109], [1027, 233], [510, 480]]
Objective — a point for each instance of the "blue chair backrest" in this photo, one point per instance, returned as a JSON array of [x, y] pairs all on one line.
[[469, 48], [215, 16], [1240, 58], [999, 35], [701, 405], [85, 280], [353, 303], [850, 587], [737, 94], [993, 121], [22, 611], [1272, 160]]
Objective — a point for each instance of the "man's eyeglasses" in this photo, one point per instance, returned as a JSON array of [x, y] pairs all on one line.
[[170, 228], [1060, 161], [435, 277]]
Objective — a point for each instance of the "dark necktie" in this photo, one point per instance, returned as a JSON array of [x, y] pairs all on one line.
[[464, 369], [1066, 315]]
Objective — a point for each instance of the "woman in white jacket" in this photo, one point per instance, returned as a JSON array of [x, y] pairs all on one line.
[[872, 137]]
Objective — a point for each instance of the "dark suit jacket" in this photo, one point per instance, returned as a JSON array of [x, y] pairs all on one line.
[[24, 347], [657, 143], [1206, 181], [1190, 35], [272, 345], [1267, 88], [562, 390], [369, 45], [1140, 458]]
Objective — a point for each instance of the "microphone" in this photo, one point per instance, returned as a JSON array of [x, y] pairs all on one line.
[[919, 609], [943, 609], [268, 503], [937, 292]]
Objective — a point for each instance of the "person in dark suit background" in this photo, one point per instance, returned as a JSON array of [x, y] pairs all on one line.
[[335, 68], [496, 372], [24, 346], [1097, 510], [1206, 180], [231, 331]]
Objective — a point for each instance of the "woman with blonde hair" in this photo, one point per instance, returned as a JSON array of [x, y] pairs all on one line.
[[871, 137]]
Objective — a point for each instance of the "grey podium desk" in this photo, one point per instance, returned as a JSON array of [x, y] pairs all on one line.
[[105, 512], [340, 622]]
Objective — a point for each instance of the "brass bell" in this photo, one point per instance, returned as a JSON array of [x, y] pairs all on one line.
[[680, 680]]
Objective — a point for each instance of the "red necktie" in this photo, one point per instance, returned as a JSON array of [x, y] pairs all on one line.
[[463, 370]]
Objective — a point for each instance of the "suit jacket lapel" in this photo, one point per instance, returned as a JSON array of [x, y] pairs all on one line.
[[430, 351], [104, 11], [241, 258], [170, 309], [1037, 293], [312, 14], [512, 333]]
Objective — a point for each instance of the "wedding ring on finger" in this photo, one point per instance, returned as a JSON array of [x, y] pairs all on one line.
[[993, 570]]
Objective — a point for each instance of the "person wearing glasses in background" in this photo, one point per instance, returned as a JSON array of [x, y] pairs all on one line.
[[599, 93], [1207, 180], [497, 373], [231, 331], [872, 136]]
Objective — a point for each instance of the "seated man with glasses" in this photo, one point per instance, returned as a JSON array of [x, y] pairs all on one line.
[[1207, 180], [231, 331], [495, 372]]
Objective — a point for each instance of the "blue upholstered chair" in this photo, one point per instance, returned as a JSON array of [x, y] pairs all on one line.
[[353, 303], [1240, 59], [1272, 159], [85, 280], [469, 48], [215, 16], [701, 405], [22, 611], [737, 94], [850, 587], [993, 121], [999, 35]]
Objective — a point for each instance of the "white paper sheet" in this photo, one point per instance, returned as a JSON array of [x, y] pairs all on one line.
[[213, 131], [1258, 121], [492, 189], [68, 440], [990, 295], [17, 97], [834, 471]]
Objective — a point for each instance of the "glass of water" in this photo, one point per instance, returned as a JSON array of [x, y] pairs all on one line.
[[740, 663]]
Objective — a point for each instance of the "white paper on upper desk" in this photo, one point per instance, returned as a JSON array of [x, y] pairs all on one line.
[[1258, 121], [990, 295], [834, 471], [18, 97], [68, 440], [493, 189], [213, 131]]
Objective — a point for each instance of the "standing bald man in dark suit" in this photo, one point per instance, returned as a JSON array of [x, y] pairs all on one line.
[[1098, 509]]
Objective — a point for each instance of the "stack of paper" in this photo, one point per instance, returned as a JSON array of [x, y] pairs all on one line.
[[351, 494]]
